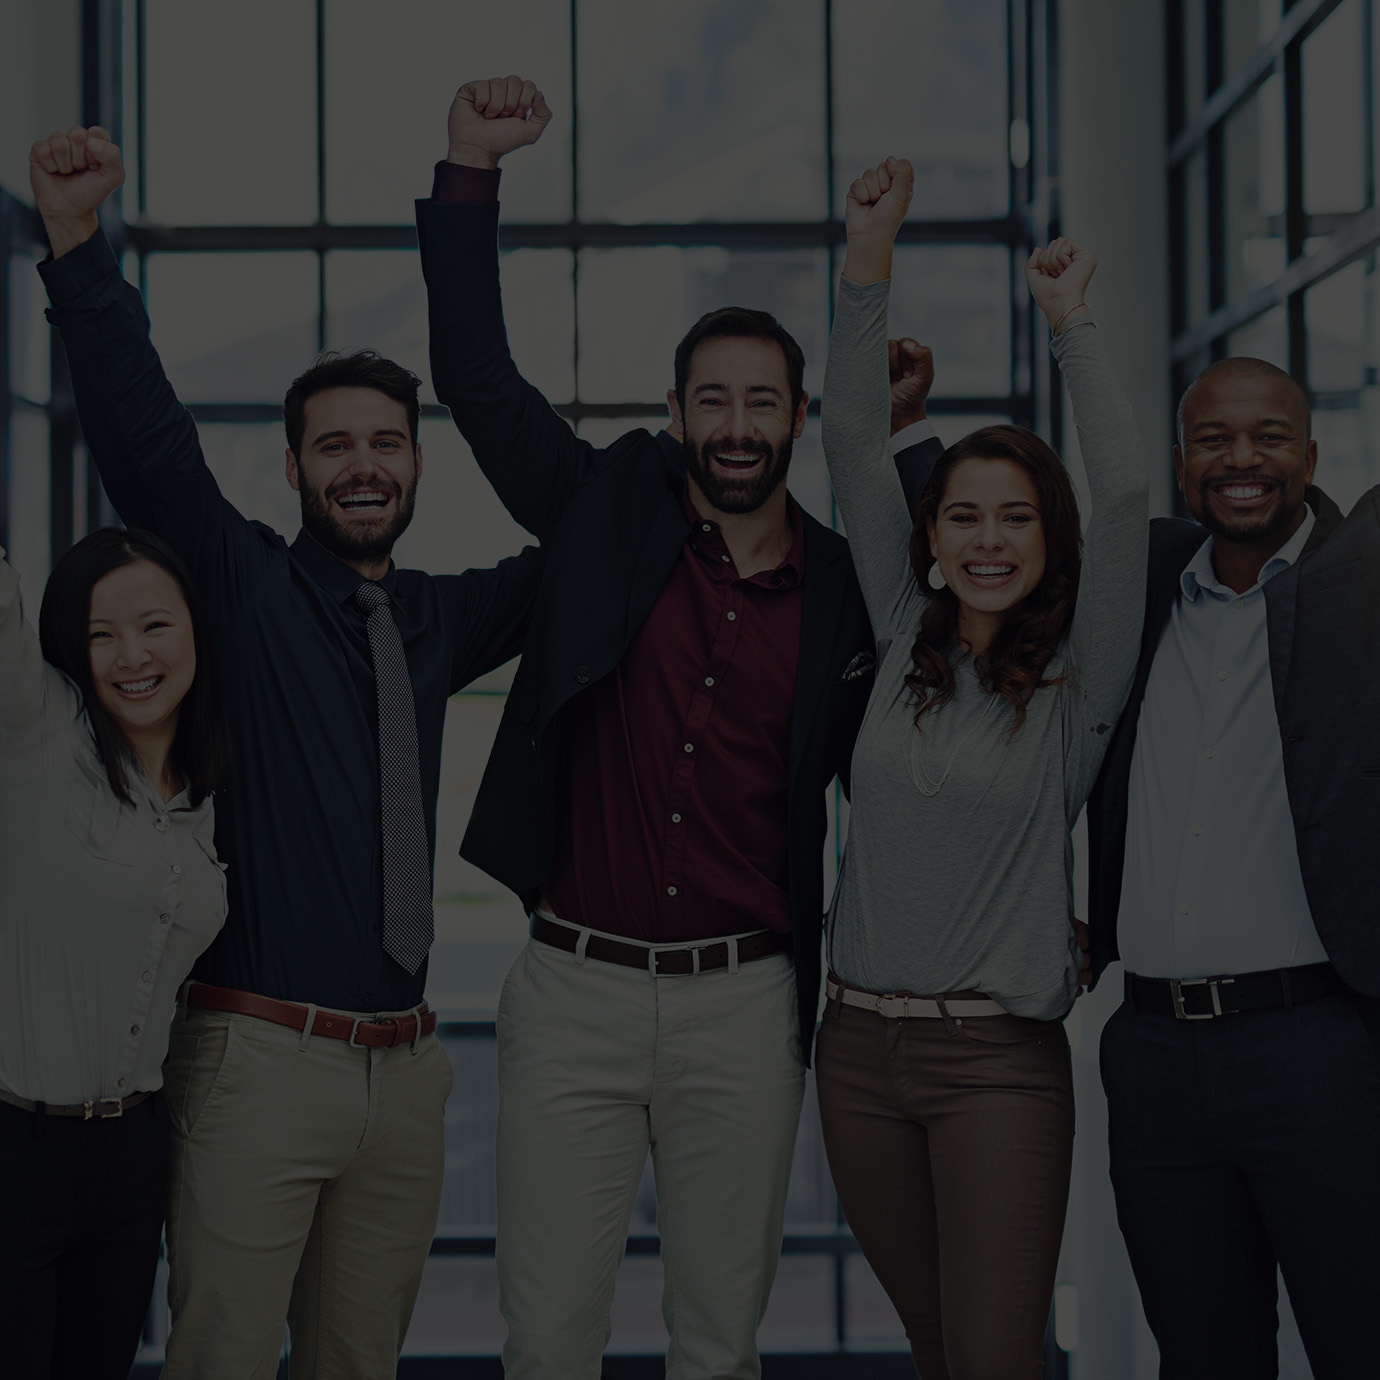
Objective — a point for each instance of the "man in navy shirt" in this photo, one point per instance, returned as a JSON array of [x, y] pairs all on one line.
[[305, 1083]]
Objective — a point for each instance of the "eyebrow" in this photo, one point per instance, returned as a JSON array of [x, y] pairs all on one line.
[[1010, 503], [723, 388], [1226, 426], [147, 613], [345, 435]]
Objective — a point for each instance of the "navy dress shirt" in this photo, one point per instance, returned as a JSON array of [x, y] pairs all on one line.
[[297, 818]]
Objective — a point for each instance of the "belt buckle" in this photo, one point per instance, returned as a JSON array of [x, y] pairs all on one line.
[[1176, 986], [354, 1030], [692, 949], [88, 1108]]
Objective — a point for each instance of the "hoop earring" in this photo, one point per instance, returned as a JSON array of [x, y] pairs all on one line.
[[936, 577]]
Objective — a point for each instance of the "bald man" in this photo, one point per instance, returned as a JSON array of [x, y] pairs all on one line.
[[1232, 839]]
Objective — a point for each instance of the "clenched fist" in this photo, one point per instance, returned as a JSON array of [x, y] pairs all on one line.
[[911, 366], [1058, 276], [491, 118], [877, 204], [71, 175]]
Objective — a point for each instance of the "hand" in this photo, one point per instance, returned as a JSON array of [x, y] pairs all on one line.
[[877, 204], [491, 118], [1085, 973], [911, 366], [1058, 276], [71, 175]]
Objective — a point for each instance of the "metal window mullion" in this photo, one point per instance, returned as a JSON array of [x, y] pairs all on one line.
[[1295, 217], [320, 171]]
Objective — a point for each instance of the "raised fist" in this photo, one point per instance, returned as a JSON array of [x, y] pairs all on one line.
[[878, 201], [911, 366], [71, 175], [1058, 276], [491, 118]]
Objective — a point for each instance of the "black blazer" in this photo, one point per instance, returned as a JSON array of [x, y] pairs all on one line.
[[1323, 621], [612, 526]]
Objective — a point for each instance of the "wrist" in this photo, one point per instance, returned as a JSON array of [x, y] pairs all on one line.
[[472, 156], [65, 233], [900, 421], [1060, 316], [867, 262]]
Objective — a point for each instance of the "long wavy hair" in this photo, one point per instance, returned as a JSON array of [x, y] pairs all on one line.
[[1013, 665]]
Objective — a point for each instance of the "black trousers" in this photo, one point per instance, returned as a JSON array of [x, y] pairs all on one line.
[[81, 1211], [1239, 1144]]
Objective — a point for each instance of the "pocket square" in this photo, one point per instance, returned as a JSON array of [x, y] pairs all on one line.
[[862, 665]]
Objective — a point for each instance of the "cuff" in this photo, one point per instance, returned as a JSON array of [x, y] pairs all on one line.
[[912, 435], [79, 270], [458, 184]]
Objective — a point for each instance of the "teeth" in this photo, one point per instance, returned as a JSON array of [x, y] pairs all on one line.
[[362, 498], [989, 569], [136, 687], [737, 458], [1242, 490]]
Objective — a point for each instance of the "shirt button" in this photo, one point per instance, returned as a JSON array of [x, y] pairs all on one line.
[[1238, 603], [670, 891], [675, 819], [161, 825], [731, 615], [148, 977], [709, 680], [177, 869], [689, 747], [119, 1082], [1197, 828], [582, 674], [1212, 752], [134, 1030], [725, 557], [706, 527], [1183, 910], [1221, 675], [165, 919]]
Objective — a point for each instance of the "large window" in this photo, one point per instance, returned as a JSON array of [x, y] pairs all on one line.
[[700, 155], [1273, 165]]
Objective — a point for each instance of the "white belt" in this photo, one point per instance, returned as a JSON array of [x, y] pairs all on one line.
[[893, 1007]]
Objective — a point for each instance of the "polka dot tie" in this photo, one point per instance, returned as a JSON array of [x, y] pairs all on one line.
[[408, 926]]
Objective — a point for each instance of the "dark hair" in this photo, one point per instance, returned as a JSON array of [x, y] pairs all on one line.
[[357, 369], [201, 747], [741, 323], [1238, 366], [1013, 665]]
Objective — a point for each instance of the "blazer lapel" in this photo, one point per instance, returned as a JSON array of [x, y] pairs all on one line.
[[665, 539], [825, 587]]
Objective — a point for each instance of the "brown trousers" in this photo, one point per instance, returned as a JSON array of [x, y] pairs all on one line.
[[950, 1143]]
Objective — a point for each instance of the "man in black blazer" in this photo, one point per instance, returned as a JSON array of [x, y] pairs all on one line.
[[1232, 837], [695, 672]]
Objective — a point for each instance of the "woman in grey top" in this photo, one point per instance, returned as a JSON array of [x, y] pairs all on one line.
[[111, 739], [1004, 659]]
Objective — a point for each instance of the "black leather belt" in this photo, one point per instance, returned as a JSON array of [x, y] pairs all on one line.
[[668, 962], [1200, 999], [99, 1109]]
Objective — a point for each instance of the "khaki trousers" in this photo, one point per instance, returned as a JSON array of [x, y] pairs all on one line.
[[597, 1063], [305, 1181]]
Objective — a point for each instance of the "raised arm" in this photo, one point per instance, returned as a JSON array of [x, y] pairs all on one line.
[[1105, 639], [143, 440], [527, 452], [857, 405], [30, 689]]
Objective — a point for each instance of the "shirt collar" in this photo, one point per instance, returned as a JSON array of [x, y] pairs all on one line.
[[706, 534], [339, 580], [1199, 573]]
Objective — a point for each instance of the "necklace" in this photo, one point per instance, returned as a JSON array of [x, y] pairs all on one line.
[[915, 755]]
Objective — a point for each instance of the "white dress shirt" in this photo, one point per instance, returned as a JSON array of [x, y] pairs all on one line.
[[1211, 882], [104, 906]]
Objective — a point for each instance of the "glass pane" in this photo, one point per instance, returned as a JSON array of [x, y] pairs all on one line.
[[701, 112], [604, 431], [1246, 24], [1348, 461], [925, 80], [248, 460], [30, 334], [872, 1321], [30, 497], [636, 304], [800, 1314], [376, 300], [1253, 195], [1333, 63], [1335, 313], [233, 327], [389, 84], [1266, 337], [957, 300], [1194, 58], [231, 112], [1192, 176]]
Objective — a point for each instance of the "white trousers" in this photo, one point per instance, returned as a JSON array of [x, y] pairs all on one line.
[[597, 1063]]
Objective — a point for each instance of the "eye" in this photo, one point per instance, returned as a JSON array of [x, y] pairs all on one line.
[[159, 623], [1019, 518], [97, 634], [962, 519]]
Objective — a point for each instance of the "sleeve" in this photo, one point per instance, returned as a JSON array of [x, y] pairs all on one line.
[[915, 463], [489, 612], [1104, 642], [143, 440], [856, 427], [30, 690], [527, 452]]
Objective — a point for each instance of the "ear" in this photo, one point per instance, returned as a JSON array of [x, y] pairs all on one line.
[[673, 407], [798, 430], [1310, 461], [1179, 466], [294, 475], [417, 459], [929, 535]]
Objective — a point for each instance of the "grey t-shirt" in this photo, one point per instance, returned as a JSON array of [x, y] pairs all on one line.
[[971, 888]]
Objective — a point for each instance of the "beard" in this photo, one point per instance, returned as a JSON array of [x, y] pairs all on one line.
[[351, 540], [745, 495], [1251, 529]]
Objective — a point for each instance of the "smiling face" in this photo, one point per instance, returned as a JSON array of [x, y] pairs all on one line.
[[356, 474], [989, 541], [1245, 458], [143, 655], [738, 421]]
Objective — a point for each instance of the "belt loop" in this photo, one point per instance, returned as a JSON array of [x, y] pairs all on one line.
[[1286, 989], [838, 997], [695, 958], [580, 944], [949, 1027], [306, 1028], [417, 1032], [732, 954]]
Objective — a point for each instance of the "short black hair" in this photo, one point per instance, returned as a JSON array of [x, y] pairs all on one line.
[[201, 747], [741, 323], [1239, 365], [355, 369]]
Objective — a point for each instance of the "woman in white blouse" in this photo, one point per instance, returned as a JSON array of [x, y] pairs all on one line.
[[111, 740]]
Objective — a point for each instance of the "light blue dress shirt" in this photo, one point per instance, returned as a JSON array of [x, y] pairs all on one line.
[[1211, 882]]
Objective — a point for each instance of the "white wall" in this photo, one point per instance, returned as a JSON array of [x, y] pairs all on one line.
[[40, 80]]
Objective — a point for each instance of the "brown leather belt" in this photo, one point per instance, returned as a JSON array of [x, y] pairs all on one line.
[[669, 962], [387, 1032], [98, 1110]]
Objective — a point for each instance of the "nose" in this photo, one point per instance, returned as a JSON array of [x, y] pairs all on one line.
[[1242, 452], [131, 653], [989, 535]]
